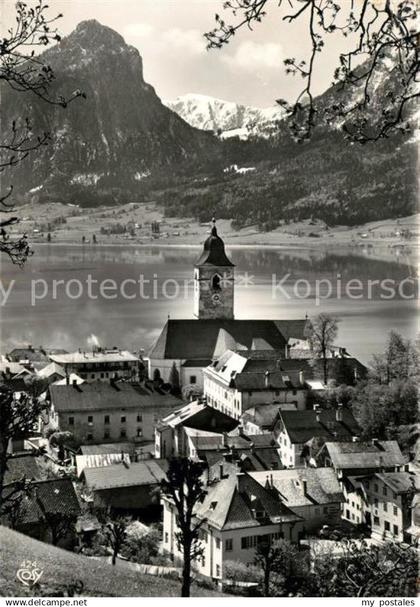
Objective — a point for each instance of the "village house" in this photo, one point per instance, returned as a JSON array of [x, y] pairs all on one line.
[[52, 373], [361, 457], [48, 512], [239, 513], [98, 412], [99, 364], [192, 344], [28, 356], [312, 493], [262, 419], [240, 380], [174, 433], [383, 502], [105, 454], [129, 488], [301, 434]]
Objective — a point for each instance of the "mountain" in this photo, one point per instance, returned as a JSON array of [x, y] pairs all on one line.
[[118, 135], [226, 118]]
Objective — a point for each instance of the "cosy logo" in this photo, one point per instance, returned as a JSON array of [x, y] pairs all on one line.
[[29, 573]]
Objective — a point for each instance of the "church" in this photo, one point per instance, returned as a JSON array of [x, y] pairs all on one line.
[[193, 344]]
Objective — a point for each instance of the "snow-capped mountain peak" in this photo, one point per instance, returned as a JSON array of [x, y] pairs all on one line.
[[225, 118]]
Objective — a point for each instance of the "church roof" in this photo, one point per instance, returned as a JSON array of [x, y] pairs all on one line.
[[197, 338], [214, 251]]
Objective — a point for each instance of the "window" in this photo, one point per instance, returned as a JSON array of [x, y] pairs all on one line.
[[218, 570], [215, 282], [102, 375], [139, 432], [375, 488], [203, 561], [166, 537], [375, 502], [106, 434], [90, 419], [139, 417], [123, 419], [193, 379], [217, 542], [89, 436], [395, 529], [387, 526], [229, 545], [92, 376], [376, 521], [385, 507], [395, 511], [71, 421], [123, 433]]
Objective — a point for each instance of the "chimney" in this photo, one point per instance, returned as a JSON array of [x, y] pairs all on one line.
[[339, 412], [267, 379], [301, 378], [271, 481], [221, 471], [305, 487], [356, 373], [240, 430], [67, 379], [74, 383], [239, 480], [375, 442]]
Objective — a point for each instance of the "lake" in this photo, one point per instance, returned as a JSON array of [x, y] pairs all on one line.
[[68, 296]]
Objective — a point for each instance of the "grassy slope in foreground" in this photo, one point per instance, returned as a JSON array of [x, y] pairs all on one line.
[[61, 567]]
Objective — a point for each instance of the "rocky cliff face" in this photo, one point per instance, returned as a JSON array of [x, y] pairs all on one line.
[[121, 132], [225, 118]]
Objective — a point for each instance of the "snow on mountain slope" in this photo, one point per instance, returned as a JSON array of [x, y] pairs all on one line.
[[226, 118]]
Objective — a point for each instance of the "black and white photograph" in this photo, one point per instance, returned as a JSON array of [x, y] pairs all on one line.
[[209, 347]]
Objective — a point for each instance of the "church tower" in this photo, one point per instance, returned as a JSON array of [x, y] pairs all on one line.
[[213, 280]]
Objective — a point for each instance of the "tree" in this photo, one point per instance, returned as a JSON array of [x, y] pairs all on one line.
[[61, 440], [362, 570], [321, 334], [379, 407], [398, 361], [18, 416], [281, 558], [184, 488], [174, 379], [379, 33], [24, 71], [115, 535]]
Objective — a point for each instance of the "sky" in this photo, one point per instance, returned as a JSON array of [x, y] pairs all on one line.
[[169, 37]]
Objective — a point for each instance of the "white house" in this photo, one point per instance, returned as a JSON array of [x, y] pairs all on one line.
[[239, 513], [238, 381]]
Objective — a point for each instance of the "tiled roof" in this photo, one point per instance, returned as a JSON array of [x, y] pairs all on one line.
[[264, 416], [201, 417], [51, 369], [100, 356], [400, 482], [31, 354], [56, 496], [364, 454], [197, 338], [99, 461], [145, 472], [108, 448], [232, 503], [302, 426], [21, 466], [99, 395], [322, 486]]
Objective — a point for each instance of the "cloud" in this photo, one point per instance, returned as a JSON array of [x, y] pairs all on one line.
[[250, 56], [138, 31], [190, 40]]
